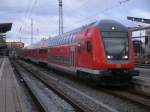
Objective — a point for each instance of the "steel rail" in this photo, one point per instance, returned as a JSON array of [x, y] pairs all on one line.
[[53, 83], [76, 105]]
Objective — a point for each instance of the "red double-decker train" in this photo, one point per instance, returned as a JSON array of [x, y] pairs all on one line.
[[102, 51]]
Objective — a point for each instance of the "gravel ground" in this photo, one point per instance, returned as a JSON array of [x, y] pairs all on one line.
[[27, 98], [51, 101], [96, 93], [115, 103]]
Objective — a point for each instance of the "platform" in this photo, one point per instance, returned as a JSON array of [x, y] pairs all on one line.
[[142, 82], [144, 72], [10, 94]]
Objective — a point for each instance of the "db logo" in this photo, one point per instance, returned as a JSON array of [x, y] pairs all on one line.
[[118, 66]]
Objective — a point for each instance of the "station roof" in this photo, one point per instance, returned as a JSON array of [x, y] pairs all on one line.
[[4, 27], [139, 28]]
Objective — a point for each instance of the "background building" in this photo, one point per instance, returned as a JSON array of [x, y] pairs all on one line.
[[141, 41], [13, 47]]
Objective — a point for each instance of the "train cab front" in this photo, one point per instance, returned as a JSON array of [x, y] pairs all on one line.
[[118, 52]]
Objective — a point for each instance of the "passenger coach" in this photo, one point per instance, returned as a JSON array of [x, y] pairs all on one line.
[[102, 51]]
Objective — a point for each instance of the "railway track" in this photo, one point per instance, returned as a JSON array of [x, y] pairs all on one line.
[[44, 104], [82, 102], [32, 105], [143, 66], [42, 99], [133, 97]]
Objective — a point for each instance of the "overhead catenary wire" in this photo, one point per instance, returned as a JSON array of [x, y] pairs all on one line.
[[28, 10], [97, 14], [32, 5], [28, 16]]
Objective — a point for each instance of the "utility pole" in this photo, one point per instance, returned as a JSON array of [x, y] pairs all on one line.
[[60, 17], [31, 31]]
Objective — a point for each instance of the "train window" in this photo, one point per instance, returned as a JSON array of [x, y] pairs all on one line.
[[63, 40], [54, 42], [114, 34], [66, 39], [69, 38], [49, 42], [58, 41], [80, 48], [89, 46], [43, 51], [72, 38]]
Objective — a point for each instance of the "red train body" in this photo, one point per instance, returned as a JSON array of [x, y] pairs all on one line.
[[102, 50]]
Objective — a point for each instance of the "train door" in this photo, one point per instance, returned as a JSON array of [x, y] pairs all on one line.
[[85, 53], [49, 55], [73, 56]]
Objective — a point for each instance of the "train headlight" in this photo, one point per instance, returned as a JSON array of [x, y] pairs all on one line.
[[109, 57], [79, 45], [125, 57]]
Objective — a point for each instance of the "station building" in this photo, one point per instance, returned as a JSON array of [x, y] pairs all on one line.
[[4, 27], [141, 40]]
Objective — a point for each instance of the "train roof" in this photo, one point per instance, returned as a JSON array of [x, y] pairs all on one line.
[[111, 25], [69, 37]]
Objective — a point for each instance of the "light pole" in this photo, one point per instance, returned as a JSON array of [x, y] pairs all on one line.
[[31, 31], [60, 17]]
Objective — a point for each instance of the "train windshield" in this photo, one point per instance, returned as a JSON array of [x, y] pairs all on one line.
[[116, 44]]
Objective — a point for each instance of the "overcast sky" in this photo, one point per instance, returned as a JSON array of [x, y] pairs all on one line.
[[76, 13]]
